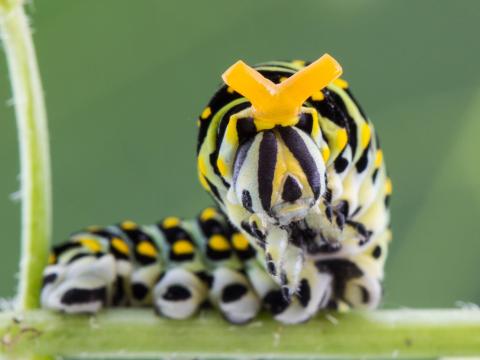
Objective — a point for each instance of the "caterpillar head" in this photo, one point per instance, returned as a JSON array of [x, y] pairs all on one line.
[[279, 174], [278, 168]]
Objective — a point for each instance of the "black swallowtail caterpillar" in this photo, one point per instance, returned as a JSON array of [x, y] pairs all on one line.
[[302, 224]]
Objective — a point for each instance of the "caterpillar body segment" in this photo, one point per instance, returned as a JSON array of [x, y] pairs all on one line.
[[177, 266], [303, 220]]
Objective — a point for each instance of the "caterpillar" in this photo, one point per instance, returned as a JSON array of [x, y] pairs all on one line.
[[301, 223]]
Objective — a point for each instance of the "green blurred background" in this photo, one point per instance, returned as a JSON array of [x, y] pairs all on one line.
[[125, 80]]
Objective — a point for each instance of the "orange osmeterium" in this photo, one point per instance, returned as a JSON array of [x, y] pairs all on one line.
[[279, 104]]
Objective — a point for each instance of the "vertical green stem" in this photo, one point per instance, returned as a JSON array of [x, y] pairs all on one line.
[[34, 149]]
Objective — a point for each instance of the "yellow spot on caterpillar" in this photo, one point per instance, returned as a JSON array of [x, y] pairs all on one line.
[[120, 245], [206, 113], [326, 153], [93, 228], [146, 249], [388, 186], [218, 243], [365, 134], [222, 167], [341, 83], [378, 158], [51, 259], [231, 132], [208, 214], [318, 96], [182, 247], [201, 166], [239, 241], [288, 165], [230, 90], [91, 244], [202, 170], [170, 222], [342, 139], [128, 225], [299, 63], [315, 125], [283, 78]]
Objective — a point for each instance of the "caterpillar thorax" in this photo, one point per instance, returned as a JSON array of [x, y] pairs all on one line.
[[302, 223]]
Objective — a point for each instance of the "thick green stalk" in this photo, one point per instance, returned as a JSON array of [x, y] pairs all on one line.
[[34, 149], [139, 333]]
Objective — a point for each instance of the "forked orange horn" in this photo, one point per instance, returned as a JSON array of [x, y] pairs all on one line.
[[279, 104]]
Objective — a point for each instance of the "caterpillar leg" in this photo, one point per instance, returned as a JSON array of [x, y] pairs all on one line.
[[313, 294], [144, 260], [230, 290], [271, 295], [233, 295], [363, 293], [142, 281], [365, 290], [182, 289], [356, 281], [83, 286], [179, 294]]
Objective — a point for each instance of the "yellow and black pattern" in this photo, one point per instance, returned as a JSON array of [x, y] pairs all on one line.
[[176, 265], [310, 193], [303, 221]]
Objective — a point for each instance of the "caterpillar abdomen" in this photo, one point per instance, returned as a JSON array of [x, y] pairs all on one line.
[[175, 265]]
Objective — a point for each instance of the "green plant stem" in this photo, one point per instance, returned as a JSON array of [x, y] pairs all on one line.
[[122, 333], [34, 149]]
